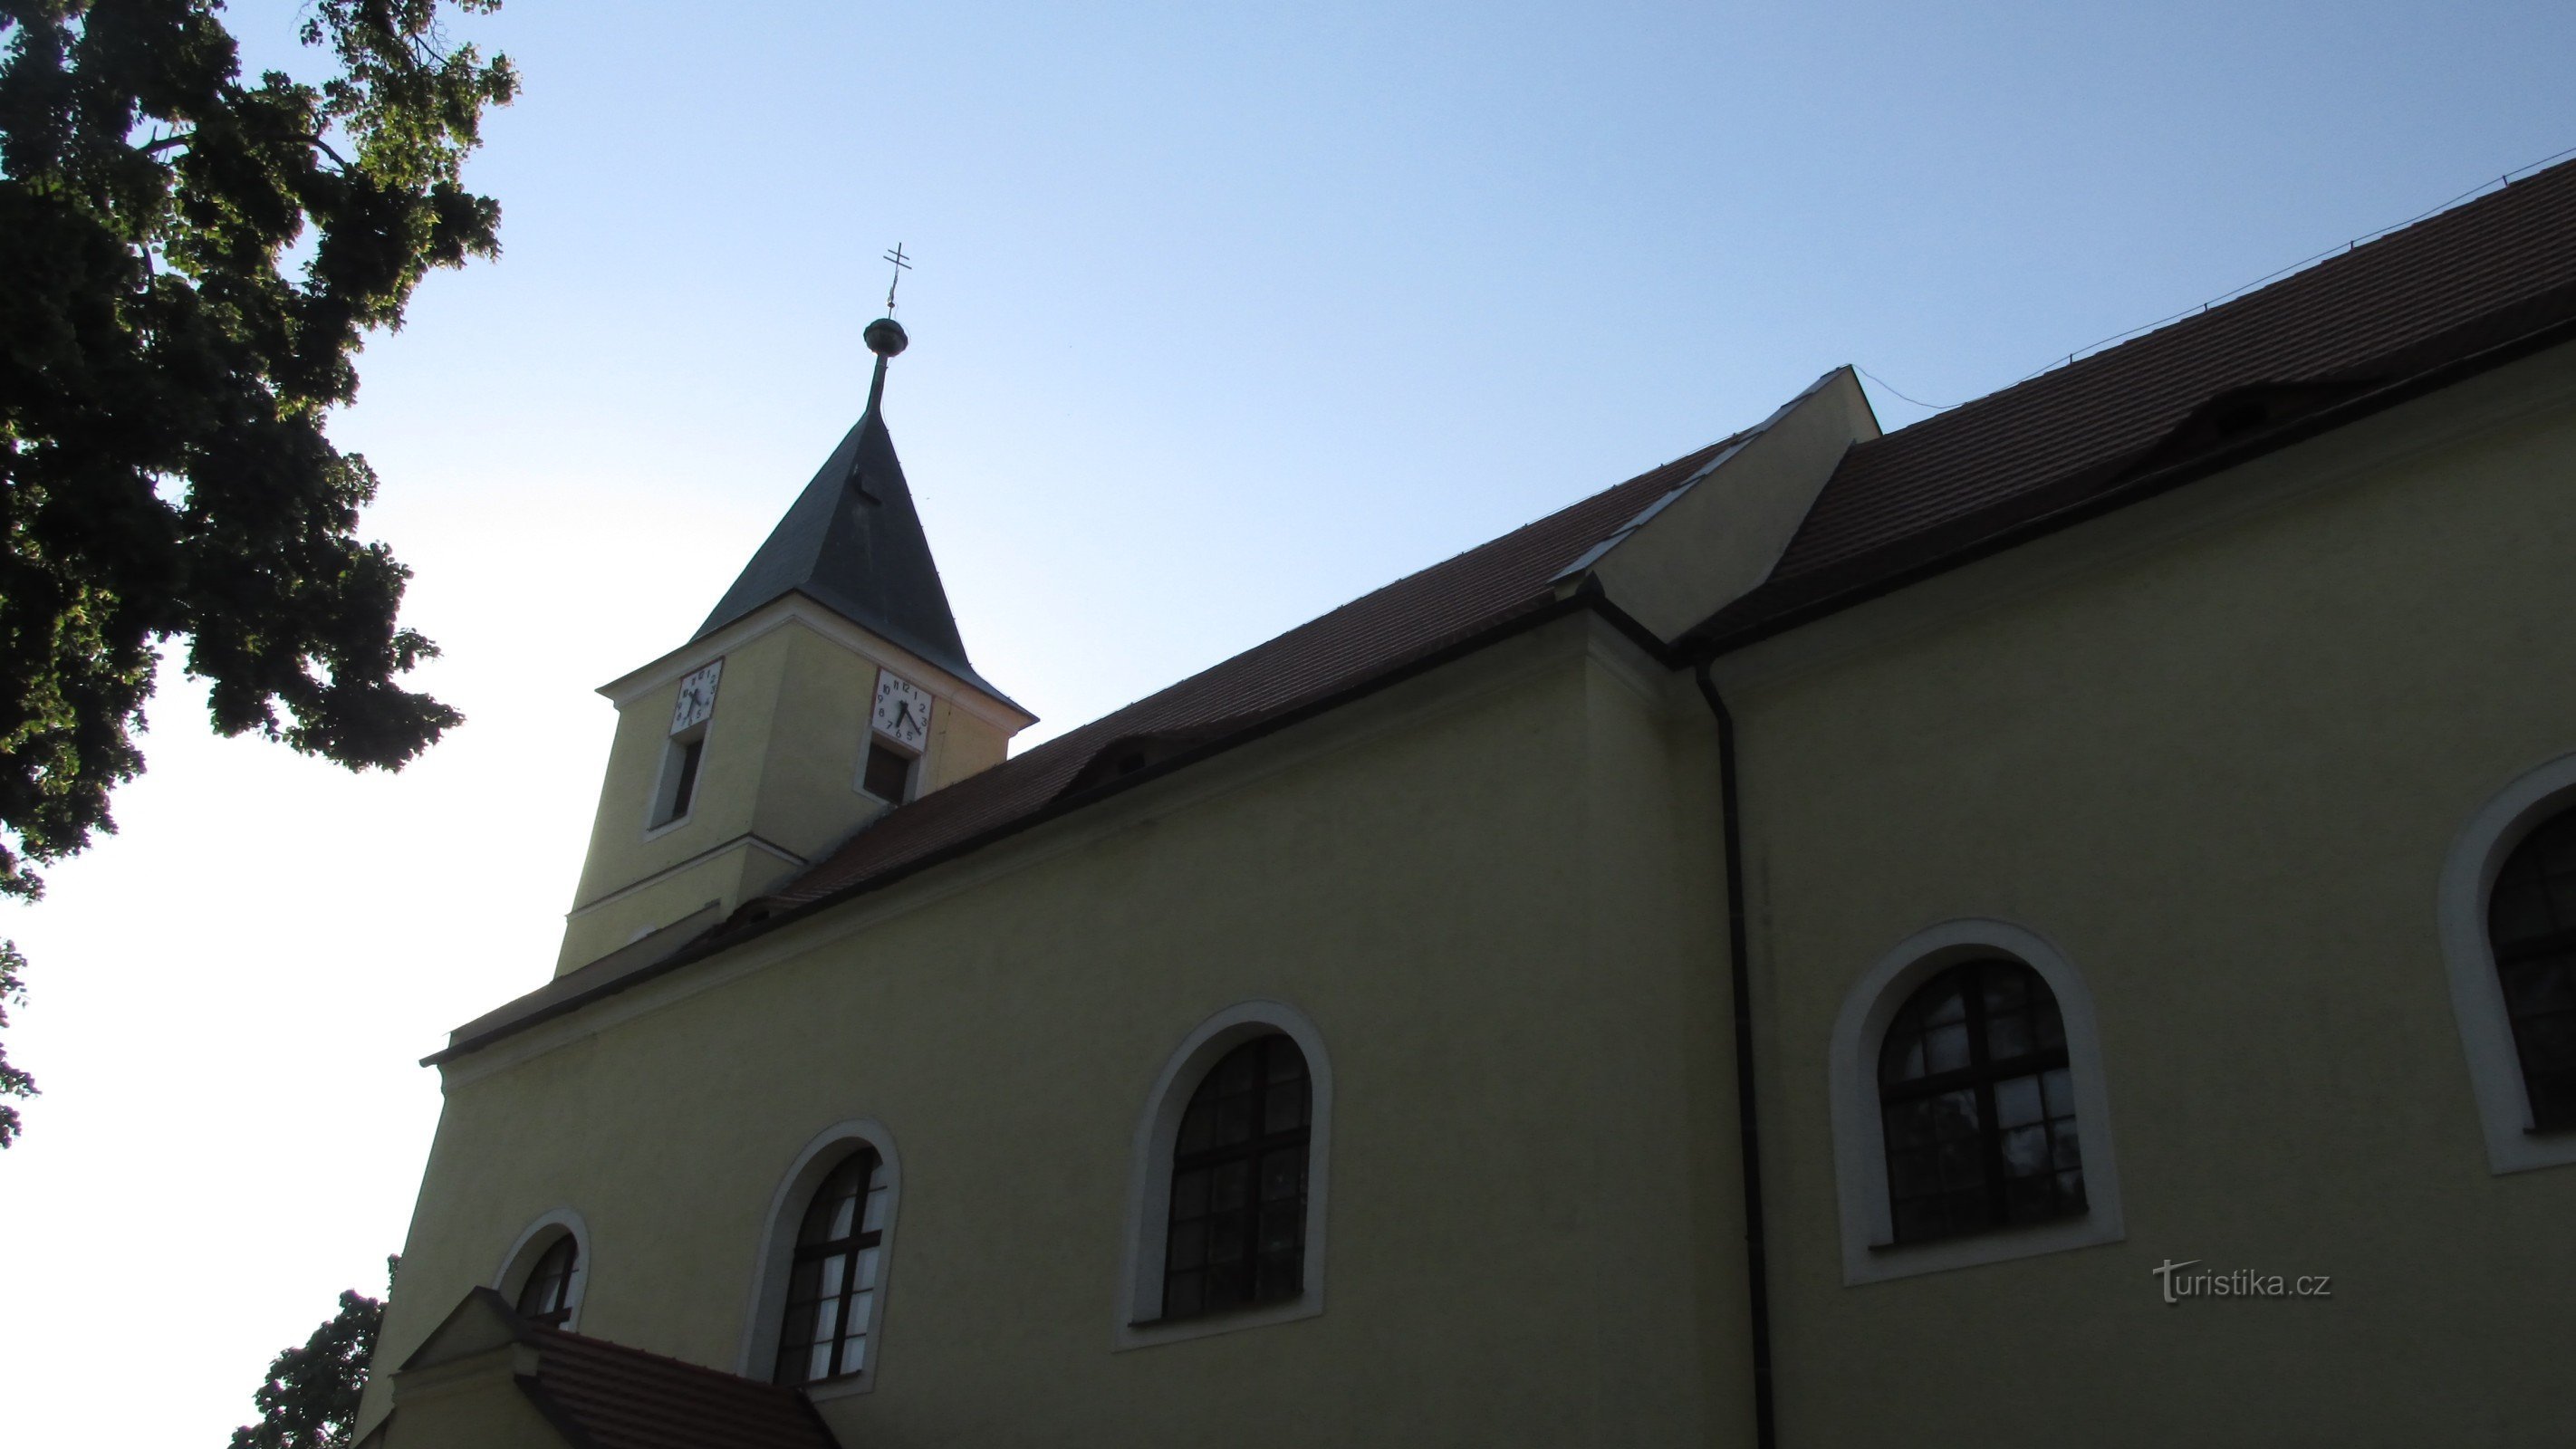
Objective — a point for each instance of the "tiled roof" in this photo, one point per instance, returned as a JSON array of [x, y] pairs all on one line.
[[2352, 333], [624, 1398], [2385, 312], [1403, 621]]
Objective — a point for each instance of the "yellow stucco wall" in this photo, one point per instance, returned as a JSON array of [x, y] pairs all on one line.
[[2214, 747], [2218, 762], [1521, 1183], [781, 763]]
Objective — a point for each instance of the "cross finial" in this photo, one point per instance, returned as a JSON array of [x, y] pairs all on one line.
[[901, 266]]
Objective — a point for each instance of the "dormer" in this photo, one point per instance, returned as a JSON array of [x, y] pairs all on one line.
[[828, 686]]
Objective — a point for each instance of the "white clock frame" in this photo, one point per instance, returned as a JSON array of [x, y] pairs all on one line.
[[697, 697], [900, 700]]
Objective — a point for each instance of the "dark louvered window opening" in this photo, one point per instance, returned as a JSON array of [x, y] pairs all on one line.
[[547, 1295], [831, 1288], [1238, 1225], [889, 773], [2531, 922], [686, 789], [1978, 1105]]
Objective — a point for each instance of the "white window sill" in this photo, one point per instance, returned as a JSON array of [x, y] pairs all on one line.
[[1158, 1331]]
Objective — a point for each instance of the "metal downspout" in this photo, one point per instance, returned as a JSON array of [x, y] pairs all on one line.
[[1748, 1126]]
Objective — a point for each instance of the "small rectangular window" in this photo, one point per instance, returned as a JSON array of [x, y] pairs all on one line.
[[688, 785], [888, 774], [677, 789]]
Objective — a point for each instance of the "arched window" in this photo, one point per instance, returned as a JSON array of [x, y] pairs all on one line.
[[832, 1279], [545, 1271], [1237, 1228], [547, 1295], [2531, 927], [1978, 1105]]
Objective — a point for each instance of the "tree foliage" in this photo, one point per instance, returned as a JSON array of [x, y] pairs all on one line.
[[13, 1082], [310, 1400], [189, 264]]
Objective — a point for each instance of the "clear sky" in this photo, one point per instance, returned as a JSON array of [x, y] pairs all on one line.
[[1223, 315]]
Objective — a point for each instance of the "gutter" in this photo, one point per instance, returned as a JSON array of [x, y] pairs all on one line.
[[1748, 1121]]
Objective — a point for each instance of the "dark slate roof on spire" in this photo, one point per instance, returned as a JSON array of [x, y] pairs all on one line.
[[852, 543]]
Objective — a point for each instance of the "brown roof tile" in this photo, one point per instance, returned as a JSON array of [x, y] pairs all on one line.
[[1371, 635], [2348, 331], [625, 1398], [2440, 289]]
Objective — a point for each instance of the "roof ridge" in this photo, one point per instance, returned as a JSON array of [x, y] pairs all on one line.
[[1496, 542], [2287, 285]]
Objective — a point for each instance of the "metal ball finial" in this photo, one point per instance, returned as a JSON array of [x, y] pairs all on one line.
[[885, 337]]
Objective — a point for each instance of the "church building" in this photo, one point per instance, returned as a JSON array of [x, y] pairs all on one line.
[[2052, 925]]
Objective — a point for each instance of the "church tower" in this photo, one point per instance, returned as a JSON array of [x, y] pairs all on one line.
[[828, 686]]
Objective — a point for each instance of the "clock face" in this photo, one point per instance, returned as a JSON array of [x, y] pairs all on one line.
[[697, 698], [903, 711]]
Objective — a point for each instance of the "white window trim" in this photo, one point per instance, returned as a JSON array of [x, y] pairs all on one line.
[[757, 1359], [531, 1245], [1149, 1187], [1871, 1253], [2477, 992]]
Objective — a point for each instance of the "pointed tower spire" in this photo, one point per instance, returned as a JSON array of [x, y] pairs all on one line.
[[852, 542], [828, 688]]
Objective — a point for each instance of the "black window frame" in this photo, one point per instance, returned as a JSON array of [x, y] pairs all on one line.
[[545, 1297], [1219, 1258], [2003, 1198], [815, 1249], [2536, 968]]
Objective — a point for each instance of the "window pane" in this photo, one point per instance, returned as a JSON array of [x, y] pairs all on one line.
[[1198, 1125], [1230, 1185], [1190, 1194], [866, 1276], [1287, 1107], [1280, 1277], [1283, 1174], [2009, 1036], [1233, 1120], [1225, 1238], [1235, 1073], [1282, 1226], [2065, 1149], [2025, 1151], [878, 1197], [1945, 1048], [2059, 1090], [2017, 1102], [1224, 1290], [1998, 1147]]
